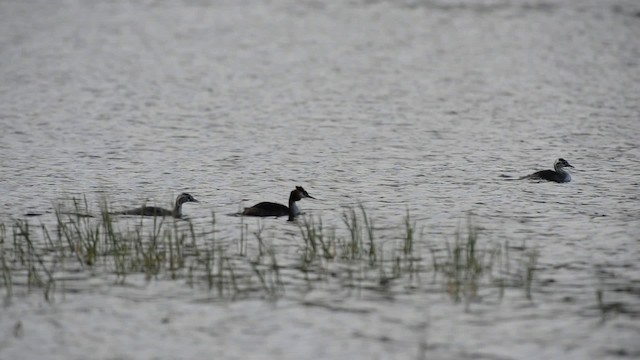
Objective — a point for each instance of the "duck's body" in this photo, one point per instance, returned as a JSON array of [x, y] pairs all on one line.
[[267, 209], [149, 211], [559, 174], [274, 209], [157, 211]]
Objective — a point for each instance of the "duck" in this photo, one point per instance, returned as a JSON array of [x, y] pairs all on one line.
[[176, 212], [274, 209], [559, 174]]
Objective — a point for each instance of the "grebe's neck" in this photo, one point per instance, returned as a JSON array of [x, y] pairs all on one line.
[[177, 209], [293, 208], [557, 166], [562, 172]]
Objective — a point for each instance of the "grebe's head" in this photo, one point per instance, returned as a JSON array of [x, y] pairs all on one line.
[[300, 193], [184, 198], [561, 163]]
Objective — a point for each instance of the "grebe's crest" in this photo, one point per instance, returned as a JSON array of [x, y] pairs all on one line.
[[560, 163], [302, 193], [185, 197]]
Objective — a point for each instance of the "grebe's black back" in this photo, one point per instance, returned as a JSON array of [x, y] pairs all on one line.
[[274, 209], [156, 211], [560, 175]]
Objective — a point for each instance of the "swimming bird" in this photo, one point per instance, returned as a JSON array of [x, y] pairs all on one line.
[[275, 209], [560, 175], [156, 211]]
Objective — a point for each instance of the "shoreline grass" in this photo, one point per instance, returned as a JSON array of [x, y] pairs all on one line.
[[352, 255]]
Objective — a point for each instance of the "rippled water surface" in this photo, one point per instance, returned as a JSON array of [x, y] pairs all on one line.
[[425, 107]]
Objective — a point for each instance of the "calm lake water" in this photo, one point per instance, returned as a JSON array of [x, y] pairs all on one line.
[[426, 107]]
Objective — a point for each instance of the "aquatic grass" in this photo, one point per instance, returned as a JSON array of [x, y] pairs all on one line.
[[38, 275], [463, 266], [409, 231], [269, 276], [530, 268], [466, 268], [244, 228], [411, 260], [358, 248], [7, 281], [351, 255], [152, 247], [357, 223], [368, 227], [317, 241]]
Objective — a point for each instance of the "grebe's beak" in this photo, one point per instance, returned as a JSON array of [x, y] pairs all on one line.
[[569, 165], [310, 197]]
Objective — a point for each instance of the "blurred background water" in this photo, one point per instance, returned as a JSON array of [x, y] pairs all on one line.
[[418, 106]]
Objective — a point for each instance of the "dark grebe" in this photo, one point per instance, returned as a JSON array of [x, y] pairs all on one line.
[[559, 175], [275, 209], [156, 211]]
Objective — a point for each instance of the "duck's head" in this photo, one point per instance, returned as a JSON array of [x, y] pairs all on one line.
[[184, 198], [561, 163], [300, 193]]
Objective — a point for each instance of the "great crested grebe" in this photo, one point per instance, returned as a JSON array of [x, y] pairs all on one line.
[[275, 209], [156, 211], [560, 175]]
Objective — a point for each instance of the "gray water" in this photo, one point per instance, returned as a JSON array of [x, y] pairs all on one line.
[[419, 106]]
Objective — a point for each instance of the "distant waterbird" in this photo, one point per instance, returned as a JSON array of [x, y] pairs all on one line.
[[176, 212], [559, 174], [275, 209]]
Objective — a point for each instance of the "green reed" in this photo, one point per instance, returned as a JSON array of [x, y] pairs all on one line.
[[7, 281], [156, 247], [464, 264], [359, 225], [353, 254]]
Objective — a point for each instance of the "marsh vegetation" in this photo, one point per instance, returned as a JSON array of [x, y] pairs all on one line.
[[353, 256]]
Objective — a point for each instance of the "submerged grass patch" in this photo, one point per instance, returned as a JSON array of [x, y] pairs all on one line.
[[352, 255], [460, 267]]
